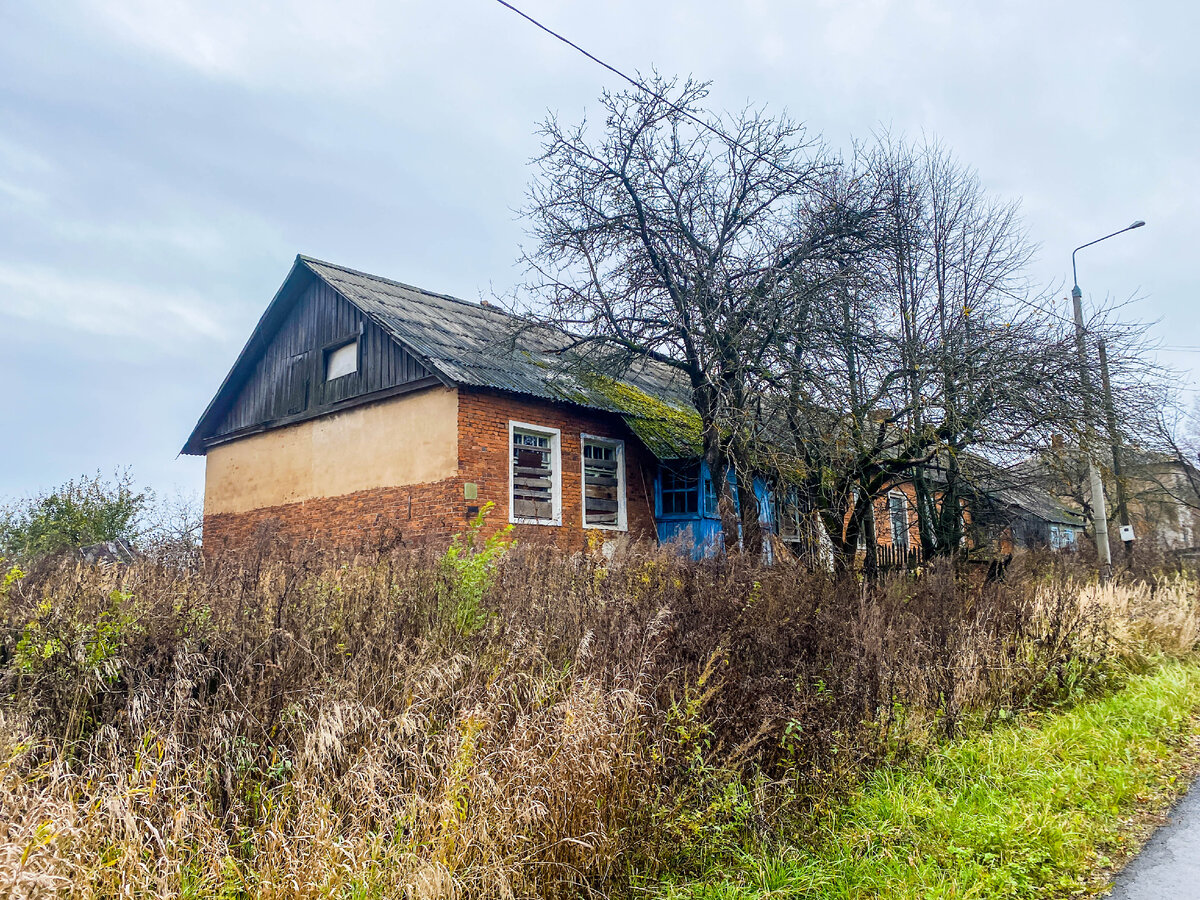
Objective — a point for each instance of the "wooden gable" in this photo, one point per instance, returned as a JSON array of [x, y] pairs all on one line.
[[286, 380]]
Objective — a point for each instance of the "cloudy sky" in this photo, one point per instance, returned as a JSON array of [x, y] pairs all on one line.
[[161, 163]]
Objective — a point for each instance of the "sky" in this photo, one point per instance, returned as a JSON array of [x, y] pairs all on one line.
[[162, 162]]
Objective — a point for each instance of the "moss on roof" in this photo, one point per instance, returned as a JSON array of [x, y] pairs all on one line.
[[667, 430]]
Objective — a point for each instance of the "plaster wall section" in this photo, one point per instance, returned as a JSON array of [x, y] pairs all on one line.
[[406, 440]]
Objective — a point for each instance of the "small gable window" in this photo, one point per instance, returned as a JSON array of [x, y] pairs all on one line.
[[341, 360], [603, 483], [535, 479]]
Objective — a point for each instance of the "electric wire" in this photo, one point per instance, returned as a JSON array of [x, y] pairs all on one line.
[[736, 143]]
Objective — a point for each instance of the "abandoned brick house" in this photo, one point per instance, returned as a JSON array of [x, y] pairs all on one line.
[[362, 406], [364, 409]]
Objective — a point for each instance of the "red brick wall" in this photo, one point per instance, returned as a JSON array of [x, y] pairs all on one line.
[[434, 512], [883, 516], [412, 514], [483, 458]]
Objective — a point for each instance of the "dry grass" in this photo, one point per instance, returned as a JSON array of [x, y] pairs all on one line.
[[290, 724]]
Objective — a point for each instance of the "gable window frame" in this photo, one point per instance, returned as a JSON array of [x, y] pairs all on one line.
[[554, 436], [905, 543], [618, 447], [334, 347]]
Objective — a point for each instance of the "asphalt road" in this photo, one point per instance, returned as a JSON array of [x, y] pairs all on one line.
[[1169, 866]]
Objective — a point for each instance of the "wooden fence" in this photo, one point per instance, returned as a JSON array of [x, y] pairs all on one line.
[[891, 558]]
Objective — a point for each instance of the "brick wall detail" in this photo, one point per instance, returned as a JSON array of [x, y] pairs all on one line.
[[483, 458], [433, 512]]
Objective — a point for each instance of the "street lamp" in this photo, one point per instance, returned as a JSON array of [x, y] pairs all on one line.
[[1099, 512]]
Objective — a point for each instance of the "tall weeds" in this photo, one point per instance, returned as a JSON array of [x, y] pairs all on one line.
[[523, 724]]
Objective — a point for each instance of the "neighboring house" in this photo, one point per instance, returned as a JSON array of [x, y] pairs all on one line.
[[1164, 500], [1025, 516], [1161, 491], [365, 409], [895, 527]]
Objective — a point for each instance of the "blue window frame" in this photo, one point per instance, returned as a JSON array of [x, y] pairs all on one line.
[[679, 491]]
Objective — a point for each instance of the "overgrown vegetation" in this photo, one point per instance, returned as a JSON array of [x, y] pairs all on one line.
[[500, 721]]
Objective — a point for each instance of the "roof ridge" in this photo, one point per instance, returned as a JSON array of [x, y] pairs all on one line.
[[411, 287]]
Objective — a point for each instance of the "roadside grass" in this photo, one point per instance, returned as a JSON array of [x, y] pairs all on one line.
[[1028, 810]]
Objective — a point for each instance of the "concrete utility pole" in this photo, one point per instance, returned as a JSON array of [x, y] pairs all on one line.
[[1114, 439], [1099, 510]]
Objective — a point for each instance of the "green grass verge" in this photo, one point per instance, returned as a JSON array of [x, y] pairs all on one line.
[[1028, 810]]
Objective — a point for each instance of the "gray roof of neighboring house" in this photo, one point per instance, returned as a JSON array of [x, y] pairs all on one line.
[[475, 345], [1040, 504], [1018, 487]]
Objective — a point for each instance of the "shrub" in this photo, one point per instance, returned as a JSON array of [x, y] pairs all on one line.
[[469, 568], [83, 511]]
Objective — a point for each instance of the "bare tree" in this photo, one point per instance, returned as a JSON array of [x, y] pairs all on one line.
[[927, 359], [669, 233], [840, 327]]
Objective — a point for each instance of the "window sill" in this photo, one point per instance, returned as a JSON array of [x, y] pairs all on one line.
[[605, 527], [556, 523]]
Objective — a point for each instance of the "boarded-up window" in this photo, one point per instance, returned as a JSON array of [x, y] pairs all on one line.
[[296, 386], [535, 476], [680, 489], [603, 483], [341, 361]]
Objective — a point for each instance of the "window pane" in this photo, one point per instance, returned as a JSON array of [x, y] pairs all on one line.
[[898, 508], [680, 490], [710, 497], [342, 361]]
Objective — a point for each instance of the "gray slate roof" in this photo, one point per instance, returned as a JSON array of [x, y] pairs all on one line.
[[1040, 504], [484, 346], [469, 344]]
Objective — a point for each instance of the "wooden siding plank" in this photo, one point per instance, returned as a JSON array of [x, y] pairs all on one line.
[[320, 317]]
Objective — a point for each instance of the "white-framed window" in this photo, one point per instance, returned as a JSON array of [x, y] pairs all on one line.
[[898, 514], [341, 360], [603, 482], [534, 475], [788, 517]]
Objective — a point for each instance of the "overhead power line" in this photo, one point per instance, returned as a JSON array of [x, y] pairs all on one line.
[[641, 86]]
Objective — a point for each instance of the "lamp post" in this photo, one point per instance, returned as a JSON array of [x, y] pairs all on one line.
[[1099, 512]]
